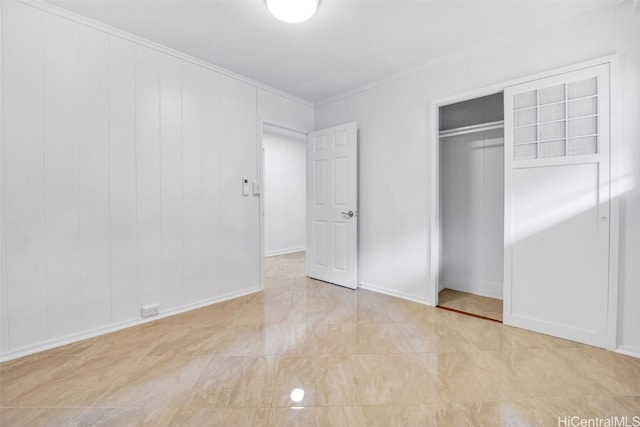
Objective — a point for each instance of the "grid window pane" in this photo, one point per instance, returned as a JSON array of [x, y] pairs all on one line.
[[525, 117], [552, 94], [525, 152], [525, 100], [581, 146], [584, 126], [553, 130], [556, 121], [552, 148], [525, 134], [583, 107], [552, 112], [583, 88]]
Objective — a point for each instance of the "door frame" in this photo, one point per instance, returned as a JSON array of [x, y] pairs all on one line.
[[615, 180], [260, 175], [435, 229]]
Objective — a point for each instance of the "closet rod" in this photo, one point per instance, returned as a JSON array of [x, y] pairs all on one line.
[[472, 129]]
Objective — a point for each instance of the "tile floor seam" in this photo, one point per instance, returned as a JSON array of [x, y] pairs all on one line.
[[275, 380], [113, 384], [79, 417], [204, 367]]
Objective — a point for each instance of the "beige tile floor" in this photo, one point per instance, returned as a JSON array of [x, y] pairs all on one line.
[[361, 358], [472, 304]]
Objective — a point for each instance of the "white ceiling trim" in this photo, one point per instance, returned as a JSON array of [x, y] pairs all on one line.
[[83, 20], [378, 83]]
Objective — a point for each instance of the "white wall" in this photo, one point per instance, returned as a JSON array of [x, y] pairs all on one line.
[[284, 190], [393, 119], [121, 179], [283, 112]]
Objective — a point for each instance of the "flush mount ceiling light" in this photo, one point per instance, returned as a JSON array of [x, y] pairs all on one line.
[[292, 11]]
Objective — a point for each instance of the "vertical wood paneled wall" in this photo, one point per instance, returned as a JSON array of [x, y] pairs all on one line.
[[121, 168]]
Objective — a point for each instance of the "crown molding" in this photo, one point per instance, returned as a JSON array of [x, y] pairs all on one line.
[[461, 53], [88, 22]]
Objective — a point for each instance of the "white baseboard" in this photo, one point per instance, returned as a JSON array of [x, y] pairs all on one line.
[[285, 251], [57, 342], [628, 351], [476, 287], [393, 293]]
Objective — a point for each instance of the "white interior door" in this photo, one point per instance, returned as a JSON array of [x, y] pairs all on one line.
[[332, 205], [557, 205]]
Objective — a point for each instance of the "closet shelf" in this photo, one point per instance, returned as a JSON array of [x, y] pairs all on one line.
[[472, 129]]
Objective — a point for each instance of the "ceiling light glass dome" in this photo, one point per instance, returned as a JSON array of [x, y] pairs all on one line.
[[292, 11]]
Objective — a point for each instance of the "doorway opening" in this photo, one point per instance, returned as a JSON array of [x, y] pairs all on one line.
[[284, 153], [471, 204]]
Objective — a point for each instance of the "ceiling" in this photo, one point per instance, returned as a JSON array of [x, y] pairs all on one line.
[[347, 44]]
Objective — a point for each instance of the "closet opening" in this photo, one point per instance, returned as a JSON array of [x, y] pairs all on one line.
[[471, 206]]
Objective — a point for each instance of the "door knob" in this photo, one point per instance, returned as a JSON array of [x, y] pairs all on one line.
[[350, 214]]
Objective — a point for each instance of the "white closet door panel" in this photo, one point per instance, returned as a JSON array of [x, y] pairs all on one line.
[[93, 176], [23, 175], [211, 186], [192, 133], [60, 119], [149, 207], [171, 181], [557, 211], [122, 179], [555, 247]]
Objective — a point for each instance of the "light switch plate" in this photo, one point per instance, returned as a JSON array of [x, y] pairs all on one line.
[[245, 187]]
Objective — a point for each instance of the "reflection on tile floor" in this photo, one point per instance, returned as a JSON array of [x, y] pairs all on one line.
[[469, 303], [306, 353]]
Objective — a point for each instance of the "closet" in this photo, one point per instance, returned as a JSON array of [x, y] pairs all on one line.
[[472, 204], [524, 206]]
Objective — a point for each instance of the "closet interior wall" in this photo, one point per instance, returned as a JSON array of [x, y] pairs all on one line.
[[472, 196]]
